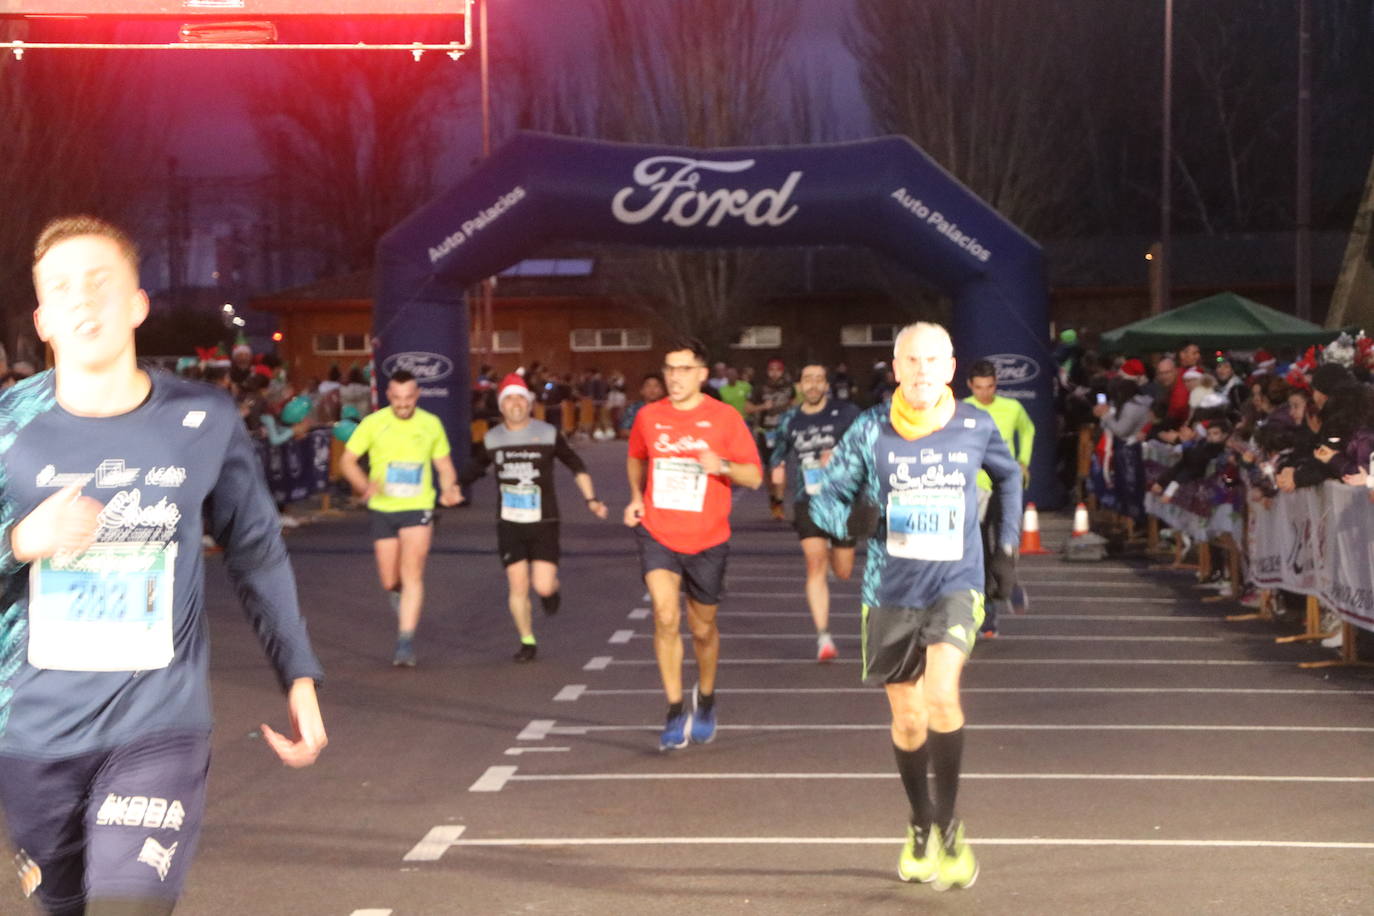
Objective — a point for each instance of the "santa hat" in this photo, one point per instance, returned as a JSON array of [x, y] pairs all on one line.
[[1264, 361], [1191, 373], [514, 384], [1132, 369]]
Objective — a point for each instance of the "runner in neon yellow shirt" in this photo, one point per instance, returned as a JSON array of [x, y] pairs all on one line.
[[402, 442], [1019, 433]]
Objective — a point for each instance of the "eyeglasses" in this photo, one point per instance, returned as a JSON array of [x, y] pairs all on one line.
[[679, 370]]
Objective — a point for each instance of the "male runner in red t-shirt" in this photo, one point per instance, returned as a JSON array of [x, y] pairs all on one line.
[[686, 451]]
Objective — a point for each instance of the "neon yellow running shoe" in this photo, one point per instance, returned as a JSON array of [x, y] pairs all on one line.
[[920, 858], [957, 867]]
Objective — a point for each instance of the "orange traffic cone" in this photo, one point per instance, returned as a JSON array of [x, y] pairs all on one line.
[[1080, 520], [1030, 532]]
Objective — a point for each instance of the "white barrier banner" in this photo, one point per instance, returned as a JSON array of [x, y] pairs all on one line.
[[1282, 545], [1347, 553], [1317, 541]]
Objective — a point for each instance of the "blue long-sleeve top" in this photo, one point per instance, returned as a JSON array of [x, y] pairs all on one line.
[[927, 543], [112, 644]]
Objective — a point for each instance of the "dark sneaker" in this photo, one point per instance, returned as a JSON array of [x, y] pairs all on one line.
[[525, 653], [405, 655], [550, 603], [1020, 601], [675, 730], [703, 728]]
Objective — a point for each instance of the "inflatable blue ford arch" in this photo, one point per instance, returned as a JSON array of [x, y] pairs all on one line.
[[884, 194]]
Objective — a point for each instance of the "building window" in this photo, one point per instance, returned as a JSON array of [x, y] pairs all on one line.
[[759, 337], [592, 339], [507, 341], [332, 344], [550, 267], [868, 335]]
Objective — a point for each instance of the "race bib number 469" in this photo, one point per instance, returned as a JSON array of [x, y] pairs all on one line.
[[107, 609], [925, 524]]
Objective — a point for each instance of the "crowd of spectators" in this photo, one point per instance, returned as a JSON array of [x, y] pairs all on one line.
[[1192, 427], [593, 405]]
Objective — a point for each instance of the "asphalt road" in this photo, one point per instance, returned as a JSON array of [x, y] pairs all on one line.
[[1128, 750]]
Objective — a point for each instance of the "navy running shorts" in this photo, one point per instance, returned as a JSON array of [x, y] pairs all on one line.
[[387, 525], [703, 574], [118, 824], [895, 638], [516, 542]]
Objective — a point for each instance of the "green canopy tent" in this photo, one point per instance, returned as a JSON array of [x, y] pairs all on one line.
[[1223, 321]]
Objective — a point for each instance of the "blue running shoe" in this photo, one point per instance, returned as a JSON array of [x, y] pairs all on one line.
[[703, 728], [675, 731]]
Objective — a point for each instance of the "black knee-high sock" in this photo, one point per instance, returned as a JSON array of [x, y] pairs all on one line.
[[946, 754], [911, 765]]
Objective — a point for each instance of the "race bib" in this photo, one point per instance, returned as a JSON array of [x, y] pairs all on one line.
[[404, 479], [811, 475], [107, 609], [679, 483], [520, 502], [925, 524]]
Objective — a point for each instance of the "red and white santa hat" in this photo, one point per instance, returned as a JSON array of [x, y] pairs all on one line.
[[1193, 372], [514, 384], [1264, 362], [1132, 369]]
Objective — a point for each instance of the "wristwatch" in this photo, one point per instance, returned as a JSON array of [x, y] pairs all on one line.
[[725, 467]]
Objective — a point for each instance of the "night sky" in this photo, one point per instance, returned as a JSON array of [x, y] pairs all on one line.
[[210, 134]]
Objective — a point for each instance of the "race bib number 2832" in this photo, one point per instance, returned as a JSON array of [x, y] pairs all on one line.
[[107, 609]]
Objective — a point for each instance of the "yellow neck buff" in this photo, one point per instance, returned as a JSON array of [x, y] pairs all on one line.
[[913, 422]]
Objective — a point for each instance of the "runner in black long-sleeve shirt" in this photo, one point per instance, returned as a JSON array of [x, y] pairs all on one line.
[[104, 697]]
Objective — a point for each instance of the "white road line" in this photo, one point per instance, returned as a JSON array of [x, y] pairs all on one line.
[[859, 727], [976, 661], [797, 614], [598, 663], [888, 841], [987, 777], [1110, 618], [494, 779], [435, 842], [1100, 599], [537, 730], [640, 613], [542, 749], [873, 691], [1026, 638], [620, 637], [371, 913], [570, 693], [834, 596]]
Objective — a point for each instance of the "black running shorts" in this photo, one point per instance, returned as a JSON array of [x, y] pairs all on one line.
[[387, 525], [895, 639], [806, 528], [118, 824], [527, 541], [703, 574]]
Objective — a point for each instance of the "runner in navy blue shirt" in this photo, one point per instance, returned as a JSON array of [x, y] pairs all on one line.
[[104, 695], [917, 459], [806, 436]]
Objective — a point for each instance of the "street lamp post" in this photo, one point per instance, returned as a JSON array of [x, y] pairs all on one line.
[[1166, 187]]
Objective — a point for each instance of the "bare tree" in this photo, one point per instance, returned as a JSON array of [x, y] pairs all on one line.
[[69, 143], [353, 139], [983, 87], [694, 74]]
